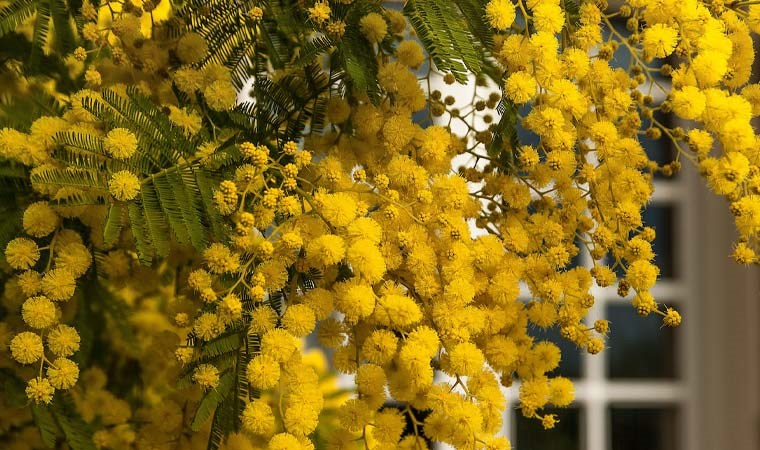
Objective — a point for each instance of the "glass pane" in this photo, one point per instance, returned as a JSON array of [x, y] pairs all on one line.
[[639, 347], [579, 259], [659, 150], [662, 219], [570, 364], [566, 435], [643, 428]]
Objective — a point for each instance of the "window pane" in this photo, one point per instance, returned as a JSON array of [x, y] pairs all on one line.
[[570, 364], [639, 347], [643, 428], [662, 219], [660, 150], [530, 434]]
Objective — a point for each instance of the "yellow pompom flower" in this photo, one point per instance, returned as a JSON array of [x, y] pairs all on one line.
[[26, 347], [63, 340], [279, 345], [184, 355], [747, 211], [220, 259], [230, 308], [380, 347], [208, 326], [338, 110], [410, 54], [188, 80], [258, 418], [365, 228], [688, 102], [92, 78], [370, 379], [672, 318], [284, 441], [120, 143], [263, 319], [207, 376], [74, 257], [743, 254], [191, 48], [500, 14], [398, 131], [501, 352], [263, 372], [641, 275], [320, 12], [548, 17], [22, 253], [63, 373], [356, 301], [59, 284], [659, 41], [354, 415], [39, 312], [299, 320], [199, 279], [190, 122], [326, 250], [700, 141], [728, 173], [398, 311], [301, 419], [709, 67], [389, 425], [124, 185], [331, 333], [520, 87], [29, 282], [534, 394], [39, 390], [366, 260], [40, 219], [339, 209], [562, 391], [220, 95], [373, 27], [466, 359]]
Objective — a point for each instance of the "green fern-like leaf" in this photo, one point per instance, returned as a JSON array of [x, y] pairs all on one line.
[[41, 30], [212, 399], [64, 36], [444, 32], [504, 142], [14, 13], [474, 13], [114, 223], [142, 233], [60, 421], [223, 424], [76, 431], [312, 49], [71, 177], [46, 424], [356, 56], [229, 342]]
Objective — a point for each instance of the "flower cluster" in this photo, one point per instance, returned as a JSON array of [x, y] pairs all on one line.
[[48, 262], [349, 228]]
